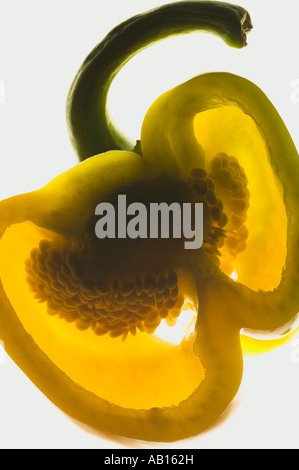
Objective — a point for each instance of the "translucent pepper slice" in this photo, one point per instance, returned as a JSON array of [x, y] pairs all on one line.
[[233, 124], [80, 315]]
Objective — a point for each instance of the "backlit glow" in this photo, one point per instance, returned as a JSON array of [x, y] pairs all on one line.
[[183, 328]]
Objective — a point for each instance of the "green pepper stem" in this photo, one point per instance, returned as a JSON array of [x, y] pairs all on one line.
[[90, 129]]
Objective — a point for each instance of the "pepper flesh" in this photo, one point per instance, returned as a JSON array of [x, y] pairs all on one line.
[[223, 364], [178, 162]]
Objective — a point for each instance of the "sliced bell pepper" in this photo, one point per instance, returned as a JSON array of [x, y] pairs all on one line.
[[80, 315]]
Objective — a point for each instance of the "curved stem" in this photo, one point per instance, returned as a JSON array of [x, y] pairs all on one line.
[[90, 129]]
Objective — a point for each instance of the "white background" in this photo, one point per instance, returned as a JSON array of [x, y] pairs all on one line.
[[42, 45]]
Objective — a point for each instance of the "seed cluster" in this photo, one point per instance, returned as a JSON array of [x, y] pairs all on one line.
[[215, 218], [57, 275], [231, 182], [223, 190]]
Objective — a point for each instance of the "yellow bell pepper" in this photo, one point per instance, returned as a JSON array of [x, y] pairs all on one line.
[[79, 315]]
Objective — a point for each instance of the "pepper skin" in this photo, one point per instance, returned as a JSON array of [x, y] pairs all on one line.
[[82, 323]]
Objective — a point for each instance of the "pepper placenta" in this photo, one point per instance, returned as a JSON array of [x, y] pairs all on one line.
[[82, 322]]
